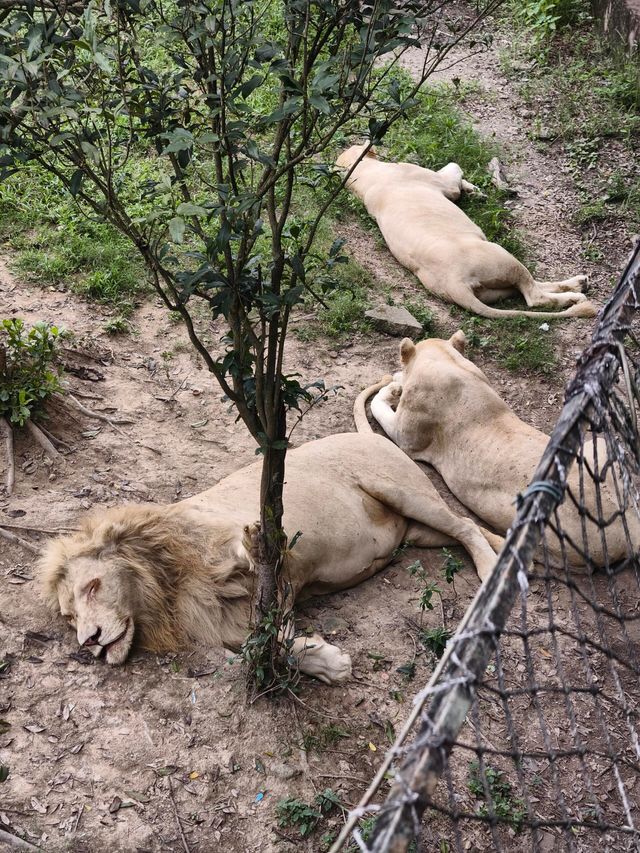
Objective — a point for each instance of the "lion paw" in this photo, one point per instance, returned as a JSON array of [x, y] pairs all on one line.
[[323, 661], [391, 394], [250, 536]]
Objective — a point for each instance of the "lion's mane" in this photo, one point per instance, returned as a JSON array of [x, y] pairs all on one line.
[[184, 573]]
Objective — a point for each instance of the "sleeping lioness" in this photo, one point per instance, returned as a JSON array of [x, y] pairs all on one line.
[[441, 409], [165, 575], [427, 233]]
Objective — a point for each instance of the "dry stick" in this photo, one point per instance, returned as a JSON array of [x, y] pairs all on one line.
[[14, 841], [8, 441], [175, 811], [43, 441], [53, 530], [5, 534], [99, 417]]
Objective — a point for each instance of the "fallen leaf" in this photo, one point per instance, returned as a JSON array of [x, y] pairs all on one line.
[[135, 795], [373, 747], [76, 749], [166, 771], [4, 772], [34, 728], [4, 726], [37, 806], [194, 774], [116, 802]]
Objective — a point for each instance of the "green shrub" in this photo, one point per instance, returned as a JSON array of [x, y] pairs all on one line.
[[28, 372]]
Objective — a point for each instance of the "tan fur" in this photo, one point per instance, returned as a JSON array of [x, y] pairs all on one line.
[[181, 573], [440, 409], [429, 234]]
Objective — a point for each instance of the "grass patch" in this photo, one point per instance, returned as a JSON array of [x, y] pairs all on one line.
[[516, 343], [54, 243], [587, 94]]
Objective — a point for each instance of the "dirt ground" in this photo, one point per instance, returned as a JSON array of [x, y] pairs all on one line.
[[156, 756]]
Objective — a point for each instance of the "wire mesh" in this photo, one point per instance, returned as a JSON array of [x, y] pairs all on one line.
[[526, 737]]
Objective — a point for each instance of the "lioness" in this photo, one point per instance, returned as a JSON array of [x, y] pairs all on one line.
[[432, 237], [165, 575], [448, 415]]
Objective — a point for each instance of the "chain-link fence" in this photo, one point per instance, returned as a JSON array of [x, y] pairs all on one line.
[[526, 737]]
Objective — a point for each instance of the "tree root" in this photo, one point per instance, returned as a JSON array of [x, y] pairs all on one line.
[[16, 842], [5, 426], [43, 441], [11, 537], [100, 417], [58, 443]]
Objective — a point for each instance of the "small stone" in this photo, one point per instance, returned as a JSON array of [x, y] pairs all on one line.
[[334, 625], [285, 771], [546, 134], [394, 320]]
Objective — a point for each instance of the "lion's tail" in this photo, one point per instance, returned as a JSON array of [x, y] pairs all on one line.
[[359, 407]]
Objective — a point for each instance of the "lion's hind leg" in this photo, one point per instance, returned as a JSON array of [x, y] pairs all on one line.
[[411, 494]]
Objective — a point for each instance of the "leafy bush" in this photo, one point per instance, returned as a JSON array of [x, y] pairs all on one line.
[[504, 805], [296, 813], [28, 372], [542, 18]]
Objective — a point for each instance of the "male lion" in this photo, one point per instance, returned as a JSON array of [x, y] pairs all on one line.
[[427, 233], [165, 575], [448, 415]]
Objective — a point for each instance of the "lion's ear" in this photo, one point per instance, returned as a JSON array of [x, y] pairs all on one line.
[[407, 350], [458, 341]]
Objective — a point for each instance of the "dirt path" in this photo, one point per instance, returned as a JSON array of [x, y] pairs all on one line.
[[91, 750]]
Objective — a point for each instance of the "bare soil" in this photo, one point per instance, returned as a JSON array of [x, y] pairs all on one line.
[[153, 756]]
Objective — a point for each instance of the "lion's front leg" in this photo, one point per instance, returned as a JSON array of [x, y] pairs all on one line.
[[320, 659]]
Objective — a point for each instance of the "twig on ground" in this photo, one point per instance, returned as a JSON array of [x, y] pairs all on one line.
[[5, 426], [11, 537], [315, 710], [100, 417], [14, 841], [185, 843], [43, 441], [86, 396], [50, 530]]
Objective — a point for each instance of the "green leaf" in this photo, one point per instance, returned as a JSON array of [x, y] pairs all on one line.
[[189, 209], [176, 229], [320, 103], [4, 773], [76, 182]]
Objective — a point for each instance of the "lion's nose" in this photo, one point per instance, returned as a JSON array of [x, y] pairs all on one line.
[[93, 640]]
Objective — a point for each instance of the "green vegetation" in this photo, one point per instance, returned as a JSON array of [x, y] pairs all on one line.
[[516, 343], [587, 96], [452, 565], [541, 19], [324, 738], [28, 370], [435, 639], [417, 570], [55, 243], [491, 785], [305, 817]]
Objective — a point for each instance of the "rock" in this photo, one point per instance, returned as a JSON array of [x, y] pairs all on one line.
[[334, 625], [394, 320], [499, 177], [285, 771], [546, 134]]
